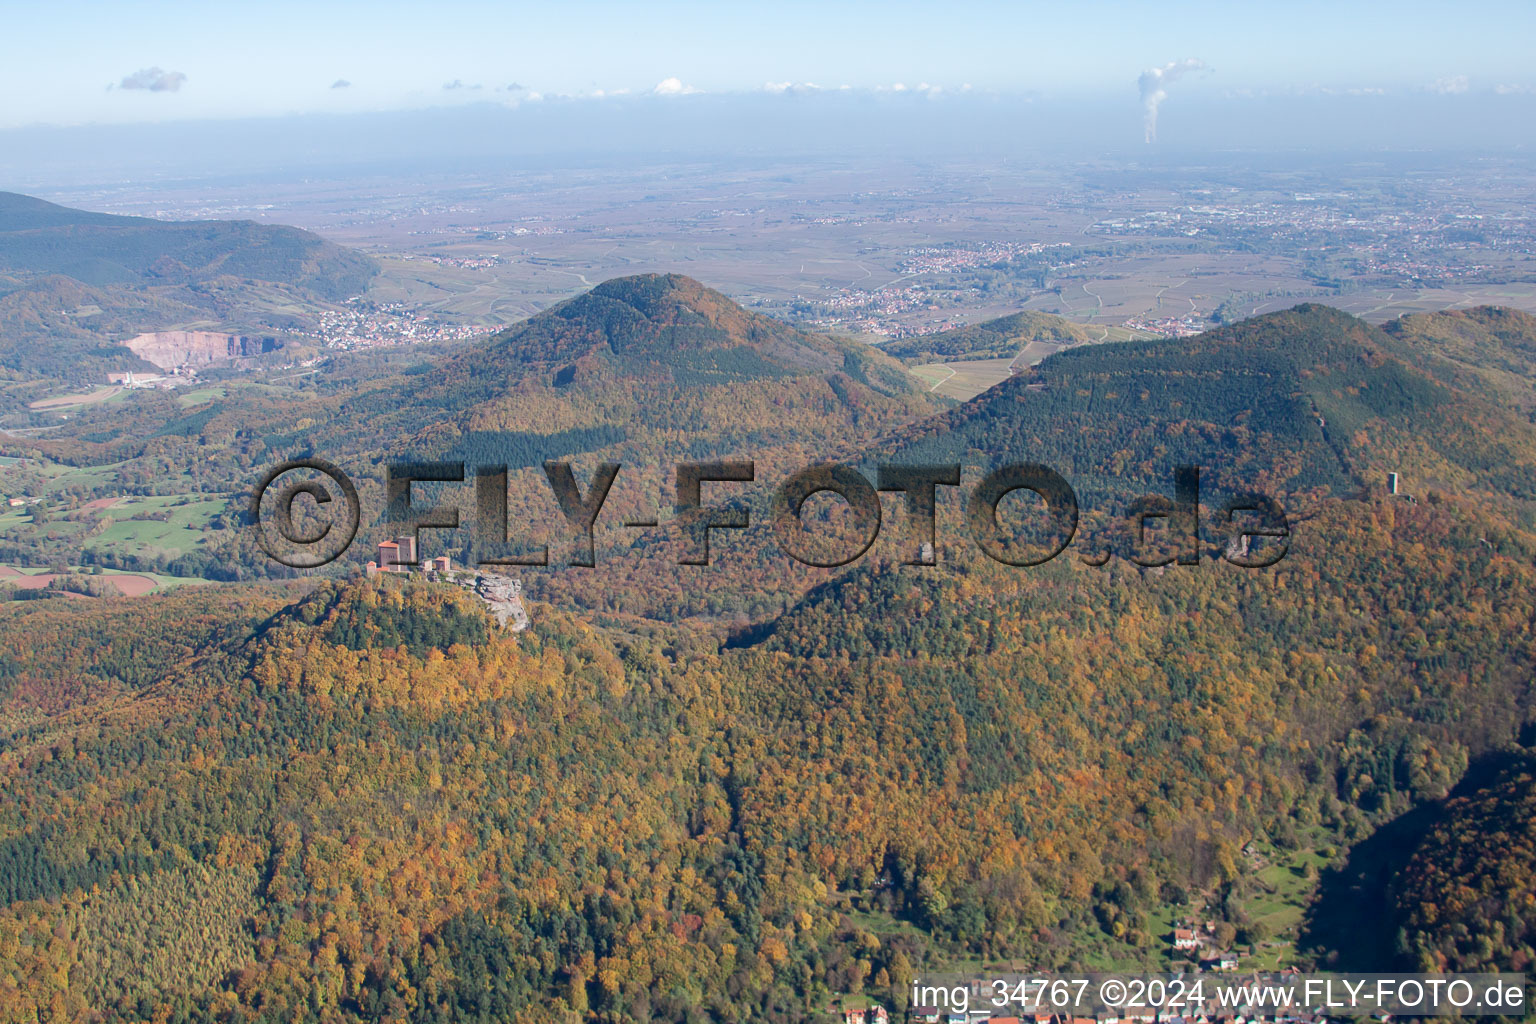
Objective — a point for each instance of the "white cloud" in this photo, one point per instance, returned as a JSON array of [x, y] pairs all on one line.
[[929, 90], [154, 80], [673, 87], [781, 88]]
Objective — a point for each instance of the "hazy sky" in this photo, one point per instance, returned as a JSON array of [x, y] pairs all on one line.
[[68, 62]]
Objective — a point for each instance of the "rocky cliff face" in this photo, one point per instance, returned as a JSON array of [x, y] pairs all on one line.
[[502, 594], [169, 349]]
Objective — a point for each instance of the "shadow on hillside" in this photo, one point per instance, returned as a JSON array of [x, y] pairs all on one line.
[[1352, 924]]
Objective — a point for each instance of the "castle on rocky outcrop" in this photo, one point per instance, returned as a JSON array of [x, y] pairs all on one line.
[[502, 594]]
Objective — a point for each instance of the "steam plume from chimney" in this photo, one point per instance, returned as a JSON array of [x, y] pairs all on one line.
[[1154, 84]]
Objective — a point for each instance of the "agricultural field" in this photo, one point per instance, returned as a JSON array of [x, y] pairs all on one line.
[[495, 295], [141, 526], [183, 527], [102, 394], [963, 380], [1380, 305], [129, 584]]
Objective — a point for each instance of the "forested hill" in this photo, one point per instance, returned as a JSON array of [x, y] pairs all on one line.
[[369, 803], [1305, 400], [1001, 338], [667, 324], [653, 368], [38, 238], [334, 801], [648, 371], [1491, 348], [73, 282], [1466, 897]]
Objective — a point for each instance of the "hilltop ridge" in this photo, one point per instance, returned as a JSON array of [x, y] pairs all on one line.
[[73, 283], [647, 322], [1485, 347], [39, 238], [1309, 397]]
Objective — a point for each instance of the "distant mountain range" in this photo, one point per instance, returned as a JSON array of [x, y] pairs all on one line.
[[74, 283]]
